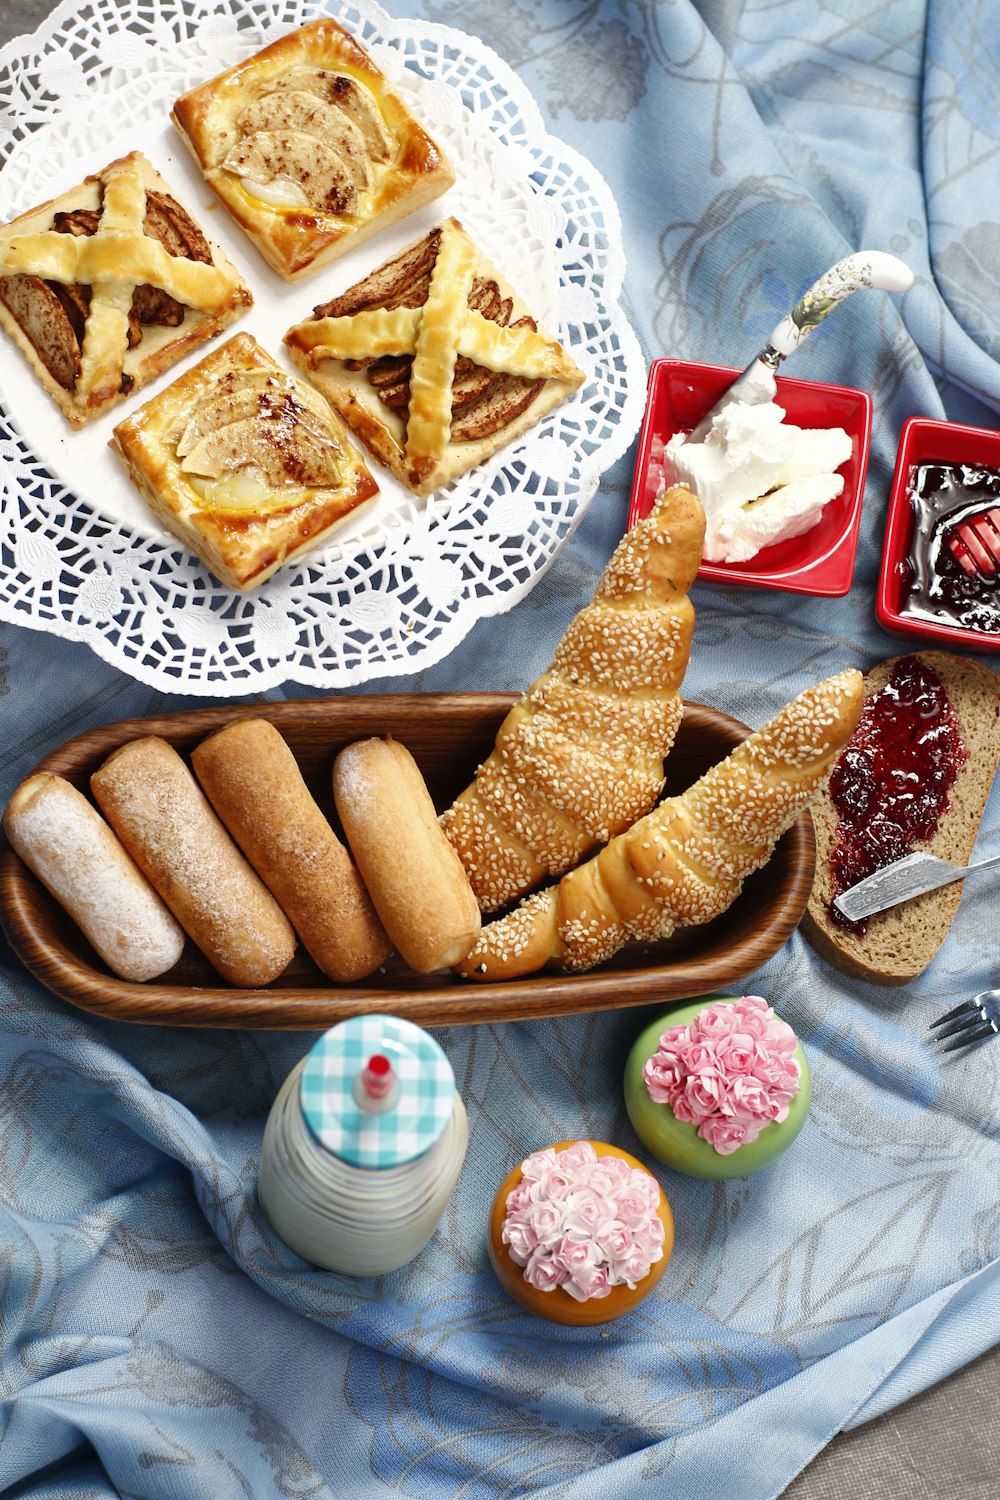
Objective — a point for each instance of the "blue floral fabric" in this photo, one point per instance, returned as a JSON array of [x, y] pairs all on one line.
[[158, 1340]]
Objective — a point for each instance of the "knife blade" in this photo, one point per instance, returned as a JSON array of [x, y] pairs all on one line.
[[911, 876]]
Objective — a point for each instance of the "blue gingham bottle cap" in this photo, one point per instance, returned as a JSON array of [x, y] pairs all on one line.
[[376, 1132]]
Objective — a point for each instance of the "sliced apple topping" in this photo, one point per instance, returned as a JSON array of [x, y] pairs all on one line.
[[358, 103], [307, 114], [309, 140], [44, 320], [280, 192], [505, 398], [167, 222], [349, 96], [320, 171], [400, 282], [254, 393], [279, 450], [255, 437], [232, 398]]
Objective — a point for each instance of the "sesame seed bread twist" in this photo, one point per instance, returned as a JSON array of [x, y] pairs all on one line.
[[686, 861], [580, 757]]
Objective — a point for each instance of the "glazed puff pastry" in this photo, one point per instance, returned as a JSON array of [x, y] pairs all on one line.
[[433, 360], [108, 285], [310, 148], [249, 468]]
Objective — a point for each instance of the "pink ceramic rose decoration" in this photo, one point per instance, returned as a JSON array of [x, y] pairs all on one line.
[[729, 1072], [583, 1222]]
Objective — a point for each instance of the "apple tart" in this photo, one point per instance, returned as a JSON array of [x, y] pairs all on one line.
[[309, 148], [108, 285], [433, 360], [243, 463]]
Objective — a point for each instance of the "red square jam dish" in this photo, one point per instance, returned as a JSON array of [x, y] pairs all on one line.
[[938, 581], [821, 560]]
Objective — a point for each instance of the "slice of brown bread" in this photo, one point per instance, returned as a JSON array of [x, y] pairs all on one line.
[[900, 942]]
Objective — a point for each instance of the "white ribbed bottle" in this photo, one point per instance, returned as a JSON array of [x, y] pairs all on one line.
[[363, 1147]]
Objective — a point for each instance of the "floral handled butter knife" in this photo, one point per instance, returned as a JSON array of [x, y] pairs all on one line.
[[866, 268]]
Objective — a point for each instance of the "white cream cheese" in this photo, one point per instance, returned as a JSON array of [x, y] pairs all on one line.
[[761, 480]]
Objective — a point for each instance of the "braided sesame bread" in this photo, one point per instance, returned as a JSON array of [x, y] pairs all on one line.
[[580, 757], [685, 862]]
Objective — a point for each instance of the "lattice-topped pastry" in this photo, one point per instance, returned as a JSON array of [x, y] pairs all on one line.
[[433, 360], [109, 284], [310, 148], [248, 467]]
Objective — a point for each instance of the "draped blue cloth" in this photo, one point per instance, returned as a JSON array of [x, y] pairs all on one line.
[[158, 1339]]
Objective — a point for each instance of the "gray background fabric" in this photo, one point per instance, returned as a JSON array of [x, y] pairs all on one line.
[[941, 1443]]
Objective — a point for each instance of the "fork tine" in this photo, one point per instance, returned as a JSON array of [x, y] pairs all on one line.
[[951, 1015], [970, 1038], [974, 1016]]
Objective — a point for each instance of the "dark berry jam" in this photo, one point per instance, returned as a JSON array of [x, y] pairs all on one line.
[[944, 497], [891, 783]]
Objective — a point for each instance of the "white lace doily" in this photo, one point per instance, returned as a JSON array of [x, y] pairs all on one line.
[[396, 590]]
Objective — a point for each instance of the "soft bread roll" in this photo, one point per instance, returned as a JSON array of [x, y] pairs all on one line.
[[157, 809], [685, 862], [580, 758], [413, 875], [252, 780], [68, 845]]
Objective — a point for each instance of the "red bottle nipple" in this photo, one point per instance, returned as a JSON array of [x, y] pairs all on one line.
[[377, 1078]]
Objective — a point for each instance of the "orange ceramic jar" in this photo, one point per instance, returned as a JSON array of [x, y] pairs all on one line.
[[558, 1305]]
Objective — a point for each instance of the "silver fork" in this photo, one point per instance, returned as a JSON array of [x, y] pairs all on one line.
[[973, 1021]]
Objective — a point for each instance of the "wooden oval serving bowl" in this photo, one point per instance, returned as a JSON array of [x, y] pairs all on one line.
[[448, 734]]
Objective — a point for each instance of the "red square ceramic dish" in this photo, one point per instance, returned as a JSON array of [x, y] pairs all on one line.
[[926, 440], [822, 560]]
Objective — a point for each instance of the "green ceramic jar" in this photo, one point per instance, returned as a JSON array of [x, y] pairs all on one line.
[[677, 1142]]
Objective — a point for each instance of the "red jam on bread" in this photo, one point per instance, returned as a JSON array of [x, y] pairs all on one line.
[[890, 785]]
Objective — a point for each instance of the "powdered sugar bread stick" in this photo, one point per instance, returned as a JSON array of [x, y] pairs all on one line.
[[163, 818], [67, 844]]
